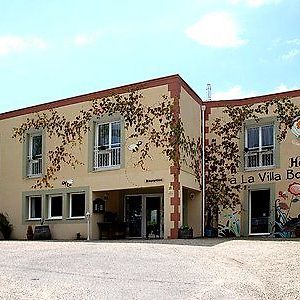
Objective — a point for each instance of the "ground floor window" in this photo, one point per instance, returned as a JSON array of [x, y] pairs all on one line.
[[55, 207], [34, 207], [259, 211], [77, 205]]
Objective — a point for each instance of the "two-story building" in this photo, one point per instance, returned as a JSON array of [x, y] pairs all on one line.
[[153, 202]]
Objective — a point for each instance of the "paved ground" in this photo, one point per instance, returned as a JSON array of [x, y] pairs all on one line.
[[199, 269]]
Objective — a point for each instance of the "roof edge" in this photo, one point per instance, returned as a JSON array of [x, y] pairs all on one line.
[[190, 91], [255, 99], [100, 94]]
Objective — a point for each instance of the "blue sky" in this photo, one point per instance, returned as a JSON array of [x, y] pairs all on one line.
[[55, 49]]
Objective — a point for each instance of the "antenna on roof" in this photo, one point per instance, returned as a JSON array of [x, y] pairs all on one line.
[[208, 91]]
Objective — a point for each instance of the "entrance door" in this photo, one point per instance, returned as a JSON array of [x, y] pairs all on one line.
[[153, 219], [259, 212], [134, 215], [143, 213]]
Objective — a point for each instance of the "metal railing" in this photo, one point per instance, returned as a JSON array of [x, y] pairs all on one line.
[[107, 158], [255, 158], [35, 166]]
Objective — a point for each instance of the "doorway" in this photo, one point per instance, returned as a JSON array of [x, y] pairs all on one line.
[[144, 215], [259, 212]]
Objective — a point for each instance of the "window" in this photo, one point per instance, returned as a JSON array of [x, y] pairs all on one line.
[[259, 146], [77, 205], [55, 207], [35, 148], [34, 207], [107, 151]]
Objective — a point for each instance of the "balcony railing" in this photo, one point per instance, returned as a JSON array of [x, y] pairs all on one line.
[[107, 158], [255, 158], [35, 166]]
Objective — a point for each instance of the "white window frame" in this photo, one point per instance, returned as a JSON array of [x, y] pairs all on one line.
[[71, 202], [29, 207], [31, 161], [50, 207], [110, 151], [260, 151]]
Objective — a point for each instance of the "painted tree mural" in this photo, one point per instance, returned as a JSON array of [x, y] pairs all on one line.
[[223, 153]]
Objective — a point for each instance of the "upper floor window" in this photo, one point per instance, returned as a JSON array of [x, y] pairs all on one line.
[[35, 151], [107, 150], [259, 146]]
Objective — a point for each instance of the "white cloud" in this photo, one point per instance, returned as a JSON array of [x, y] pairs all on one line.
[[284, 88], [12, 43], [281, 88], [234, 2], [254, 3], [258, 3], [217, 29], [235, 92], [82, 40], [293, 42], [291, 54]]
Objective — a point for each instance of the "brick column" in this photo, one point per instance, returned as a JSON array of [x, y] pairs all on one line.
[[175, 89]]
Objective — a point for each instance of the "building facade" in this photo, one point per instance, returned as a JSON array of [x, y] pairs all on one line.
[[150, 202], [268, 169], [121, 199]]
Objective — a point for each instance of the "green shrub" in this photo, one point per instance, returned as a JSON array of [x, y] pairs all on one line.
[[5, 226]]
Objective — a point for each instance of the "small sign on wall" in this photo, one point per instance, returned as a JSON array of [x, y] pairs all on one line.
[[153, 180], [67, 183]]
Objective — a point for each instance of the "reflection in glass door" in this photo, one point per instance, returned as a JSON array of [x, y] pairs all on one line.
[[153, 217]]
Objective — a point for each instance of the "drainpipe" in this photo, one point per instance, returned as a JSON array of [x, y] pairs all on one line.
[[203, 107]]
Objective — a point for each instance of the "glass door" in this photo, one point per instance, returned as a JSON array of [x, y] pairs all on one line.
[[144, 215], [133, 205], [153, 220], [259, 212]]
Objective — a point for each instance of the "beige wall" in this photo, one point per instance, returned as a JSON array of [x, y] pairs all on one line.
[[193, 210], [127, 177], [277, 178], [190, 111]]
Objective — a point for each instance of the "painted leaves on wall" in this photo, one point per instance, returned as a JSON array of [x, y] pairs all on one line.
[[158, 125], [223, 153]]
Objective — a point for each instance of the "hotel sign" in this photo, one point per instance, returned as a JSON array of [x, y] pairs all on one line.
[[268, 176]]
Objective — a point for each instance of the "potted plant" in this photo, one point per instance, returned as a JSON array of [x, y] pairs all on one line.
[[5, 226], [185, 232], [297, 231], [29, 233]]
